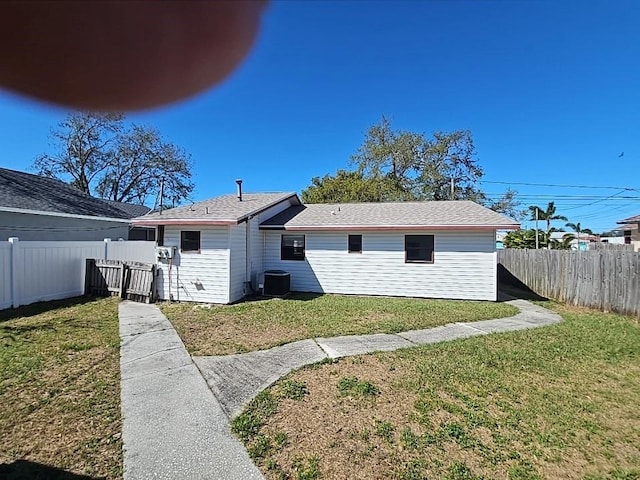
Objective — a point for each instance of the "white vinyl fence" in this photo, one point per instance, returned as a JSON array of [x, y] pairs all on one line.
[[40, 271]]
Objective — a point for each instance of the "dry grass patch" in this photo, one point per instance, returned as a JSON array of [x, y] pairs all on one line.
[[256, 325], [60, 390], [556, 402]]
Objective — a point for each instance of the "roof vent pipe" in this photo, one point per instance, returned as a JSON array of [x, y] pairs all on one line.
[[239, 182]]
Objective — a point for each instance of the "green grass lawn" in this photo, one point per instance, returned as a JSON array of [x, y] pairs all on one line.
[[256, 325], [60, 390], [555, 402]]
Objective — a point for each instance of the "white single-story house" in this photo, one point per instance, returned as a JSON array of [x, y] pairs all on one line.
[[220, 248]]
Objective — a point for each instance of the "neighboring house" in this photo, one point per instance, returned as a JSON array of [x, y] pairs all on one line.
[[630, 228], [579, 242], [33, 207], [132, 210], [414, 249]]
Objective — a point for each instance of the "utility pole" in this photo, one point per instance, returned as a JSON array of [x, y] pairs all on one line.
[[537, 228], [161, 192], [453, 190]]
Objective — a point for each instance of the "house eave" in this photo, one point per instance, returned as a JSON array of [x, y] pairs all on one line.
[[339, 228], [64, 215], [183, 221]]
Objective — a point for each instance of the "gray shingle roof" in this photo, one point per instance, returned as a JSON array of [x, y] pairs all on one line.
[[448, 214], [132, 210], [20, 190], [224, 209], [635, 219]]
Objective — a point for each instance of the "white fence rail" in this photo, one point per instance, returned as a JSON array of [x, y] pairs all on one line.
[[40, 271]]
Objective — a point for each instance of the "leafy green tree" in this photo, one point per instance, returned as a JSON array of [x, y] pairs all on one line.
[[547, 215], [523, 239], [101, 155], [349, 187], [401, 165], [420, 167]]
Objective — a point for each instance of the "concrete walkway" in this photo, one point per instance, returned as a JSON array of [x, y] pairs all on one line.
[[172, 425], [176, 425]]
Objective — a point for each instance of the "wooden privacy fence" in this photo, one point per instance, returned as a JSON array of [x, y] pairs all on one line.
[[130, 280], [607, 280], [610, 246]]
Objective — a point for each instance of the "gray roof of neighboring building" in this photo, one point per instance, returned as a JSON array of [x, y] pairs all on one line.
[[459, 214], [223, 210], [25, 191], [132, 210], [635, 219]]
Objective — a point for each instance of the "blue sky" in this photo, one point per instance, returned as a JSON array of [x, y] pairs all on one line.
[[550, 91]]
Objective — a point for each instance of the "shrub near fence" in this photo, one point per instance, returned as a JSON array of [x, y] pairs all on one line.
[[607, 280]]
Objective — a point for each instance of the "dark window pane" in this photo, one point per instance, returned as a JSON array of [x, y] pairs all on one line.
[[355, 243], [190, 241], [292, 247], [418, 248]]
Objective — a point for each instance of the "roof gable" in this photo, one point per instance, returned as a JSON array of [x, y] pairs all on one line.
[[223, 210], [635, 219], [459, 214]]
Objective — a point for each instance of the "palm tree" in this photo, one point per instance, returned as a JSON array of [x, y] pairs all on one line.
[[547, 215], [565, 243], [576, 227]]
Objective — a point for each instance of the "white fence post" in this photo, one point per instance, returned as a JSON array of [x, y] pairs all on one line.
[[14, 280], [107, 241]]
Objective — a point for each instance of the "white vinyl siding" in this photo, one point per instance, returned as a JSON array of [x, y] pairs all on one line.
[[238, 261], [218, 273], [197, 277], [256, 241], [30, 227], [464, 265]]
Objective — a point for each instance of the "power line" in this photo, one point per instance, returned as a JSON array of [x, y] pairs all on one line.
[[556, 185], [569, 197]]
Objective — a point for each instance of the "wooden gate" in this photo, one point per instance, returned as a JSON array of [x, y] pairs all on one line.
[[129, 280]]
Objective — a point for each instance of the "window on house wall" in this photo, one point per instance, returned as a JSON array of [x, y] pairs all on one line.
[[292, 247], [627, 237], [355, 243], [190, 241], [418, 248], [160, 235]]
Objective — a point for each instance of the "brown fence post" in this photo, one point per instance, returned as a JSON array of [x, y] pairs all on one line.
[[88, 275], [123, 275]]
